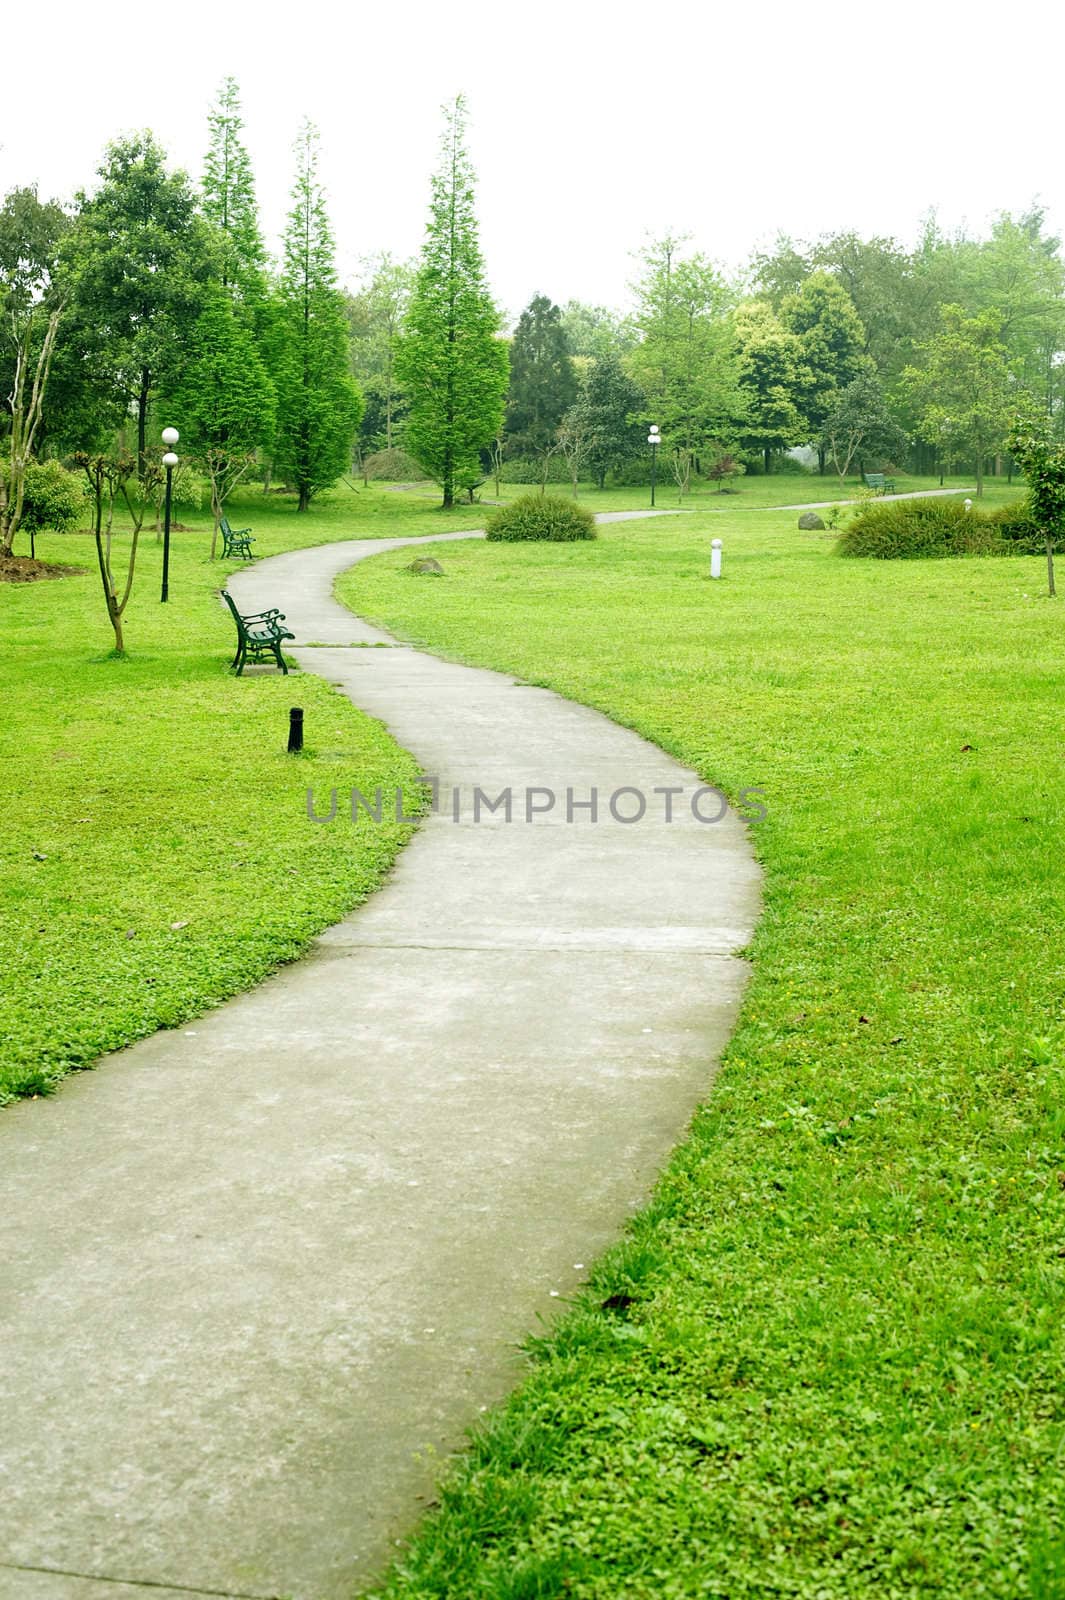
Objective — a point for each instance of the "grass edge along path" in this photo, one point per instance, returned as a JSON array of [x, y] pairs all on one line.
[[157, 857], [827, 1360]]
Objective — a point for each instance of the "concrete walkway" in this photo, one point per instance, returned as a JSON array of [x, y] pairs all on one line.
[[260, 1273], [820, 505]]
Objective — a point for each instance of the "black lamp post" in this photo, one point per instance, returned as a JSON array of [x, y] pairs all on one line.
[[170, 461], [654, 439]]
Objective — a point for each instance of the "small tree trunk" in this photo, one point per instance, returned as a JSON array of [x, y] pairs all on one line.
[[820, 461], [767, 457], [113, 614], [216, 512], [1051, 590], [304, 499]]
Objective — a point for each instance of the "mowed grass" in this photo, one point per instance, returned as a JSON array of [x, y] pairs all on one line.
[[828, 1359], [156, 790], [743, 494]]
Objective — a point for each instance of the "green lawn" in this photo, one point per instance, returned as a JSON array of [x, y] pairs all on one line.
[[828, 1360], [156, 790], [755, 493]]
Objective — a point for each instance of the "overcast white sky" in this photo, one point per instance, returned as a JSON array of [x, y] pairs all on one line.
[[591, 123]]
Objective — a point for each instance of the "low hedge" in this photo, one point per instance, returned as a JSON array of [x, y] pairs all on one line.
[[902, 530], [1015, 524], [535, 516]]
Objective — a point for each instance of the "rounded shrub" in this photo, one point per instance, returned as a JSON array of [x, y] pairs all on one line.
[[54, 498], [536, 516], [904, 530], [392, 466]]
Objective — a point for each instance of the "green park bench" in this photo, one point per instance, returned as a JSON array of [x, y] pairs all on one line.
[[258, 635], [235, 542], [878, 483]]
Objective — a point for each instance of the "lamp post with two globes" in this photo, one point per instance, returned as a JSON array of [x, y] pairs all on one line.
[[654, 439]]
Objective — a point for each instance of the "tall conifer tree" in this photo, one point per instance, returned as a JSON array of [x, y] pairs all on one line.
[[543, 383], [318, 401], [450, 360], [228, 196]]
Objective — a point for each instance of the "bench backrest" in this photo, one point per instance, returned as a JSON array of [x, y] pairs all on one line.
[[875, 480], [237, 618]]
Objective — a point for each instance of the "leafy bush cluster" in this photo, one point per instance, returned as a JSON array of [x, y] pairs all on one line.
[[54, 498], [901, 530], [537, 516], [391, 466], [522, 469], [1017, 526]]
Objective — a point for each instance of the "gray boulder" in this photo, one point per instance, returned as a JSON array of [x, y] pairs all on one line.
[[810, 522], [425, 566]]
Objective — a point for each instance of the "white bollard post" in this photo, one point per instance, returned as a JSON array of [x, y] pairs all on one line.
[[968, 505], [715, 558]]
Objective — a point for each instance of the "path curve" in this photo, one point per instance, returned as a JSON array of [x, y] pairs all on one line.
[[821, 505], [263, 1271]]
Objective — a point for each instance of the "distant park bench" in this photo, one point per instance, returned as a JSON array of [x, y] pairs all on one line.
[[235, 543], [258, 635], [878, 483]]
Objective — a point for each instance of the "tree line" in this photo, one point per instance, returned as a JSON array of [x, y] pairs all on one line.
[[151, 298], [863, 351]]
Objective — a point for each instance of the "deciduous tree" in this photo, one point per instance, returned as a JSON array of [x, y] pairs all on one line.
[[685, 361], [832, 342], [965, 385], [375, 317], [222, 399], [30, 310], [771, 376], [860, 423], [139, 257], [1043, 464]]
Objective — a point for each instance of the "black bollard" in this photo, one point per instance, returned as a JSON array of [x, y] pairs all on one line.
[[295, 730]]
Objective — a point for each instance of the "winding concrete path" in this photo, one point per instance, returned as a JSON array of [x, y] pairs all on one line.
[[260, 1273], [821, 505]]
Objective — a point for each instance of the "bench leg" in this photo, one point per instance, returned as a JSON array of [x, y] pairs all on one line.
[[239, 662], [280, 659]]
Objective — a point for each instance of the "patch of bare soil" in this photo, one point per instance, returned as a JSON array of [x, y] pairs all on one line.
[[23, 569]]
